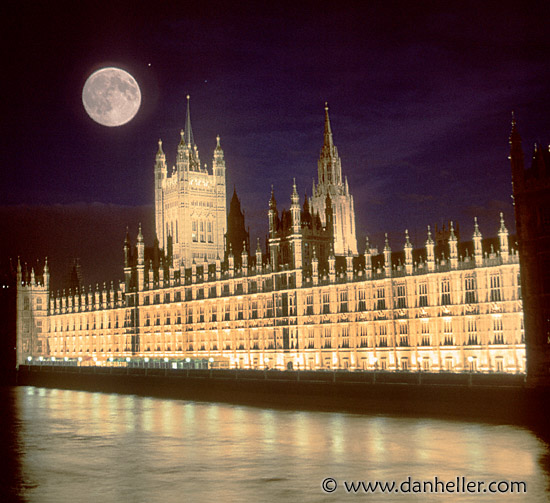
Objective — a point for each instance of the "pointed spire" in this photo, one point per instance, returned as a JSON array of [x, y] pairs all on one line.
[[386, 242], [476, 228], [218, 146], [429, 240], [328, 130], [367, 245], [294, 198], [272, 202], [140, 235], [188, 131], [160, 152], [407, 240], [258, 247], [502, 226], [452, 236]]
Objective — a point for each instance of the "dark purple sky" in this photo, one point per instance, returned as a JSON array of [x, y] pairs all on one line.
[[420, 98]]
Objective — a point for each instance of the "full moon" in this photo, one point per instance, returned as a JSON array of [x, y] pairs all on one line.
[[111, 96]]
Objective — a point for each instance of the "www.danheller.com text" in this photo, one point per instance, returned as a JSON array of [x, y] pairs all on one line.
[[459, 485]]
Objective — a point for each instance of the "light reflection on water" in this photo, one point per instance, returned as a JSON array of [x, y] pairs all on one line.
[[105, 447]]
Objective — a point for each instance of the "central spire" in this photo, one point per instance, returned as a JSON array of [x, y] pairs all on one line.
[[328, 131], [188, 131]]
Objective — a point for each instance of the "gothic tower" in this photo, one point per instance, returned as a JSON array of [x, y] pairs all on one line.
[[237, 237], [330, 184], [190, 202]]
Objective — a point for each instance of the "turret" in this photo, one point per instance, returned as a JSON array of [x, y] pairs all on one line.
[[453, 248], [503, 240], [387, 257], [140, 248], [430, 251], [408, 253], [332, 266], [218, 162], [478, 252], [273, 214], [244, 260], [231, 262], [368, 259], [127, 261], [258, 257], [295, 209]]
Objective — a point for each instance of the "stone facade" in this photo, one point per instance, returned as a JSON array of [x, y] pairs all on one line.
[[190, 202]]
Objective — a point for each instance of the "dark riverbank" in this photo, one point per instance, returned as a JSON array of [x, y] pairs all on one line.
[[500, 398]]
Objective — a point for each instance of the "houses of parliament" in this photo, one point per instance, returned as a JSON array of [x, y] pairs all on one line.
[[313, 298]]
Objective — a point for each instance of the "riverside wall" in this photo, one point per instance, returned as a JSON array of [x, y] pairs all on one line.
[[487, 397]]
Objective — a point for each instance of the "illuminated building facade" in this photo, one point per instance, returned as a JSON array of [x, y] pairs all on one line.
[[190, 202], [452, 306]]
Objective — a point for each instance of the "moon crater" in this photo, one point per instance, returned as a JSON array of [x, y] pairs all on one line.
[[111, 97]]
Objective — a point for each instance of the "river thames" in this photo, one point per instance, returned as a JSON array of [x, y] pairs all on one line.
[[81, 446]]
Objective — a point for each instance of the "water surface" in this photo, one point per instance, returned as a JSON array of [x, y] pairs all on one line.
[[99, 447]]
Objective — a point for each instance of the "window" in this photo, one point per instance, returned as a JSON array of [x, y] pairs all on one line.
[[363, 336], [425, 333], [343, 301], [403, 334], [448, 332], [345, 337], [361, 298], [194, 231], [495, 287], [309, 303], [209, 232], [326, 302], [240, 311], [327, 343], [380, 298], [310, 338], [201, 227], [401, 301], [254, 309], [498, 335], [470, 290], [227, 312], [445, 292], [471, 327], [422, 294]]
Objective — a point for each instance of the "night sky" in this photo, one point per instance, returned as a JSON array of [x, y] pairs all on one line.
[[420, 98]]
